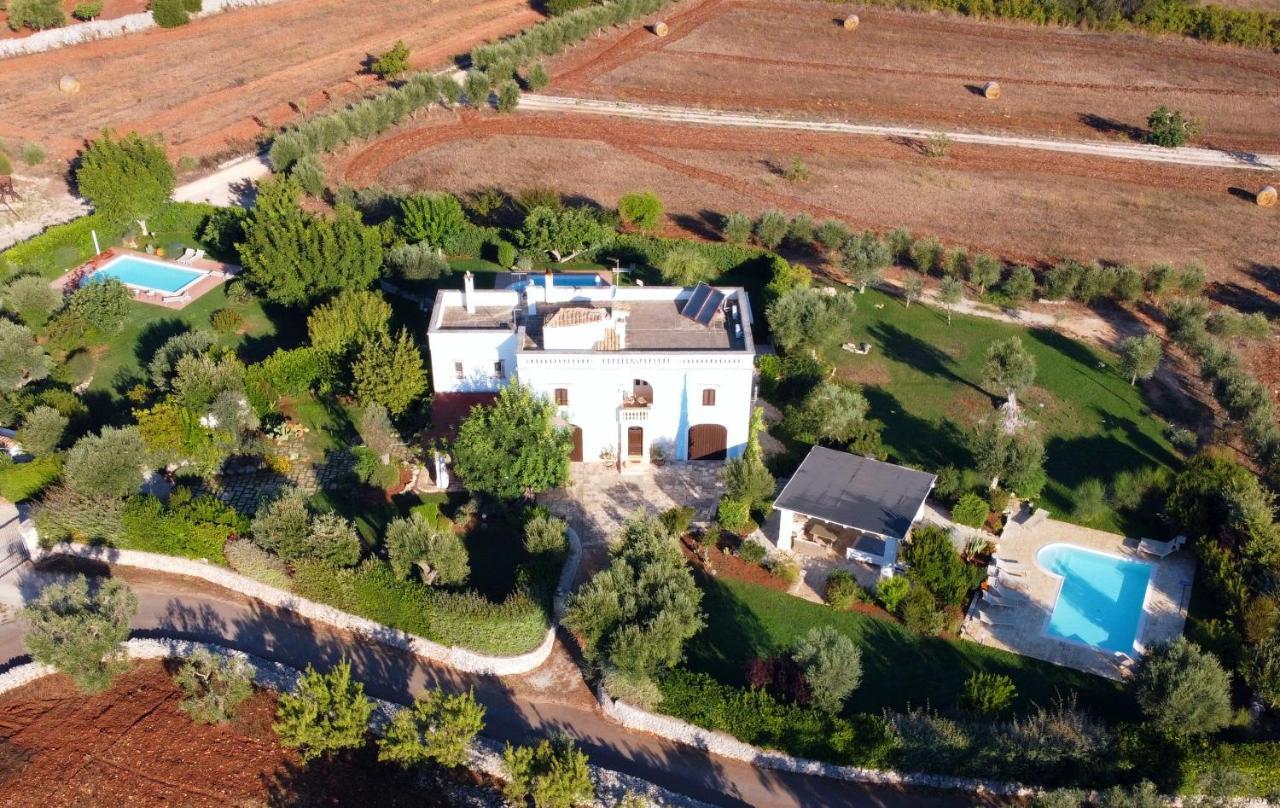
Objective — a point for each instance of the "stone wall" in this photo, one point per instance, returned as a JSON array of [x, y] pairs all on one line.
[[461, 658]]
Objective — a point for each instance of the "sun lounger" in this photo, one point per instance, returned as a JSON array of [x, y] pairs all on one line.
[[176, 299], [988, 620], [996, 570], [198, 256], [995, 601], [186, 256], [1161, 549]]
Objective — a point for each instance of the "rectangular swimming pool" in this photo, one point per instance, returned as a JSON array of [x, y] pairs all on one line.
[[148, 273], [576, 280], [1102, 596]]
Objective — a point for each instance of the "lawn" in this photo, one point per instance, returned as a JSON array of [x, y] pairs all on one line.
[[899, 668], [22, 481], [923, 379]]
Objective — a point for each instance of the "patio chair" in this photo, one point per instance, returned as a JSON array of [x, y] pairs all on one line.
[[199, 256], [1161, 549], [186, 256]]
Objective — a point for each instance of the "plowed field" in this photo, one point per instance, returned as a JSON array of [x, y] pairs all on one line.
[[928, 69], [214, 85]]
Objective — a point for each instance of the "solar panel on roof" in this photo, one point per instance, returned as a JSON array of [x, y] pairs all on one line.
[[710, 307], [694, 304]]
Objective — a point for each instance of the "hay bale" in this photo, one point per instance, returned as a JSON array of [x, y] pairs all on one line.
[[659, 28], [851, 22], [69, 84], [1266, 198], [991, 90]]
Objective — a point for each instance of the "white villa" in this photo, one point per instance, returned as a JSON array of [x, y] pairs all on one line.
[[639, 373]]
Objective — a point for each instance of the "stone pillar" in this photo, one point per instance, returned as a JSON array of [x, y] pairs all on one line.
[[786, 528]]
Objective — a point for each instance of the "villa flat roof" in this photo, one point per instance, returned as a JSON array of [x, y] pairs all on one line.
[[857, 492]]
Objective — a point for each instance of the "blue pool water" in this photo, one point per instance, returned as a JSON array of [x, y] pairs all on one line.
[[573, 280], [145, 273], [1101, 599]]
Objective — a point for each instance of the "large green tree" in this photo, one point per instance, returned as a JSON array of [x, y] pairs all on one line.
[[351, 317], [832, 666], [1016, 458], [1183, 690], [564, 233], [388, 371], [22, 361], [434, 219], [831, 412], [1010, 367], [109, 464], [636, 615], [125, 178], [807, 318], [432, 548], [1140, 356], [80, 633], [292, 257], [513, 447]]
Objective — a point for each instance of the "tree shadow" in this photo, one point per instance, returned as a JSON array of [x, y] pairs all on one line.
[[154, 335], [910, 350], [915, 441], [704, 224], [1110, 126]]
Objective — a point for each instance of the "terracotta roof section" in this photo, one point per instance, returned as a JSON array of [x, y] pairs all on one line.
[[573, 315]]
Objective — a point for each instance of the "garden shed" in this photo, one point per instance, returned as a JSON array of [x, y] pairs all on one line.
[[853, 507]]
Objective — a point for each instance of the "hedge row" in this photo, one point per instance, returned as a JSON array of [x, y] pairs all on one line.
[[464, 619], [363, 119], [1255, 29], [754, 716], [650, 250], [551, 36], [57, 248], [1256, 764]]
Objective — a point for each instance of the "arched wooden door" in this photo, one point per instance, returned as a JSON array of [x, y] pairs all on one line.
[[708, 442], [576, 455]]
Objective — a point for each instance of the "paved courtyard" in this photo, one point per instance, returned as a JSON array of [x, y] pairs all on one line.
[[598, 499], [1023, 628]]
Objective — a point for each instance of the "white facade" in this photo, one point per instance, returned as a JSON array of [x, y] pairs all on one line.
[[633, 377]]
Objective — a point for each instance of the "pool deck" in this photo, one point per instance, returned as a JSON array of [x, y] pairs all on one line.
[[1023, 628], [218, 273]]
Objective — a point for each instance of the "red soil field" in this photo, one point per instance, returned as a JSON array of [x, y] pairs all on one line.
[[899, 67], [217, 84], [132, 746]]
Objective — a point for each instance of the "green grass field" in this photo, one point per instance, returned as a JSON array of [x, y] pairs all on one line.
[[923, 379], [899, 668]]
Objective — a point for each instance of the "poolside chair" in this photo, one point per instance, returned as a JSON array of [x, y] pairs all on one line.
[[988, 620], [996, 601], [1161, 549], [996, 570], [199, 256], [186, 256]]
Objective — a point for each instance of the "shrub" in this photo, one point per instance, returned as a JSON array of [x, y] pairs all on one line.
[[734, 514], [252, 561], [641, 209], [172, 13], [677, 519], [934, 564], [213, 686], [392, 62], [989, 693], [843, 590], [42, 430], [1261, 668], [832, 665], [87, 11], [108, 464], [971, 510], [1182, 690], [752, 552], [798, 172], [196, 529], [546, 535], [438, 727], [537, 77], [333, 540], [67, 514], [686, 266], [554, 774], [226, 321], [38, 15], [1090, 501], [771, 228], [32, 153], [79, 633], [784, 567], [420, 261], [506, 254], [282, 526], [308, 172], [890, 592], [1170, 128], [326, 713], [919, 612], [102, 304], [635, 689], [31, 298]]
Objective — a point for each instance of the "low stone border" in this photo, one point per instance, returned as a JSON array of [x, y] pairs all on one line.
[[81, 32], [486, 755], [724, 745], [460, 658]]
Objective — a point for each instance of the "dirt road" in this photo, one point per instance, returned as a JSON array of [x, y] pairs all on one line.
[[1185, 156]]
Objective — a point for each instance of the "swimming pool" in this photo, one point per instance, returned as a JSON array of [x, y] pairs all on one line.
[[1101, 599], [576, 280], [147, 273]]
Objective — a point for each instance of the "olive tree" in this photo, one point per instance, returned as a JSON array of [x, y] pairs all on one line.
[[1140, 357], [1010, 367], [109, 464], [864, 258], [803, 317], [832, 666], [554, 774], [431, 547], [82, 633], [213, 686], [950, 295], [1183, 690], [686, 265], [42, 430], [22, 361]]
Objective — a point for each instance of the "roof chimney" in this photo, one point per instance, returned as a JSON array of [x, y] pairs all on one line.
[[469, 292], [529, 300], [548, 284]]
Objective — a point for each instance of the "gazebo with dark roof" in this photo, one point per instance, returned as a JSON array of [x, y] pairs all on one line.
[[853, 504]]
